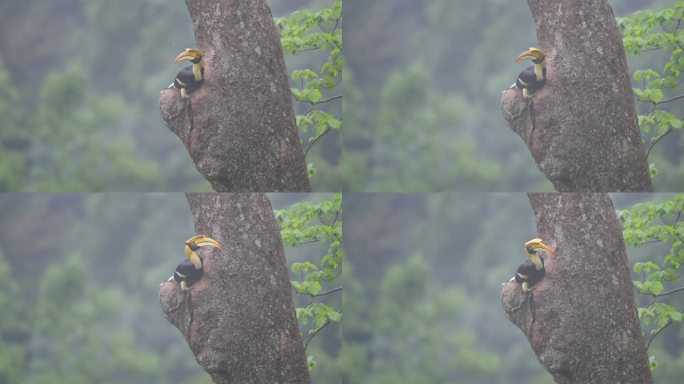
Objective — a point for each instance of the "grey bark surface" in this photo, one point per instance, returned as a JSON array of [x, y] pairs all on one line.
[[581, 127], [239, 127], [239, 318], [581, 319]]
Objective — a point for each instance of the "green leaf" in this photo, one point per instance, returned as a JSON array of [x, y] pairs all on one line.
[[310, 363], [314, 95], [645, 267], [313, 288], [314, 30], [301, 224], [334, 316]]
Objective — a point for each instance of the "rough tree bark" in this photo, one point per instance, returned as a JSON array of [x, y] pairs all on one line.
[[581, 319], [239, 319], [239, 127], [581, 127]]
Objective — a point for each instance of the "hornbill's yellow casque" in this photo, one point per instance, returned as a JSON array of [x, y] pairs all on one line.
[[533, 77], [531, 271], [190, 270], [191, 77]]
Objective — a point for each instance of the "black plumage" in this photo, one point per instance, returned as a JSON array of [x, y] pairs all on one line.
[[528, 79], [531, 271], [186, 79], [187, 272], [528, 272]]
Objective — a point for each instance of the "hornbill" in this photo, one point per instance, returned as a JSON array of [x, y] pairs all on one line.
[[190, 270], [531, 271], [191, 77], [533, 77]]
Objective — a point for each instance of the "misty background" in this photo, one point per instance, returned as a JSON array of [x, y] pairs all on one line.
[[80, 275], [79, 288], [80, 101], [422, 285], [422, 93]]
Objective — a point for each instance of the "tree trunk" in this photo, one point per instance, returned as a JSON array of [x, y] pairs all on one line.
[[239, 127], [581, 319], [239, 318], [581, 127]]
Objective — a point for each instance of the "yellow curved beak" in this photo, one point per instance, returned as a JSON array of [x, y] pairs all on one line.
[[539, 244], [532, 52], [187, 54], [203, 241]]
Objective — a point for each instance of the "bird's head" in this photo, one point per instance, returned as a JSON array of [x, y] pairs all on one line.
[[537, 55], [193, 244], [534, 244], [191, 54], [196, 242]]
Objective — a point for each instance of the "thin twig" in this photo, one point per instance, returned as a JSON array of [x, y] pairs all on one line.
[[309, 241], [332, 223], [679, 22], [655, 334], [671, 99], [308, 49], [669, 129], [679, 215], [314, 334], [674, 226], [670, 292], [314, 141], [654, 241], [332, 291], [326, 100], [337, 22]]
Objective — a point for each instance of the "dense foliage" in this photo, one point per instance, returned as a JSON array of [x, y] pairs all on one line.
[[657, 277], [79, 287], [81, 81], [79, 274], [84, 283], [315, 30], [659, 87], [314, 279], [422, 280], [422, 93], [422, 283], [41, 143]]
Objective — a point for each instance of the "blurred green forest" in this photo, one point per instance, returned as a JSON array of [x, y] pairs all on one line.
[[422, 282], [422, 92], [80, 101], [79, 277], [79, 288]]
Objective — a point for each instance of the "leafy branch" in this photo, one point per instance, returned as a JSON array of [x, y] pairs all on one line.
[[657, 30], [657, 222], [307, 223], [315, 30]]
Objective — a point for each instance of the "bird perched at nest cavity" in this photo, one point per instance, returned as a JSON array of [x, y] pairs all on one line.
[[191, 77], [532, 78], [189, 271], [531, 271]]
